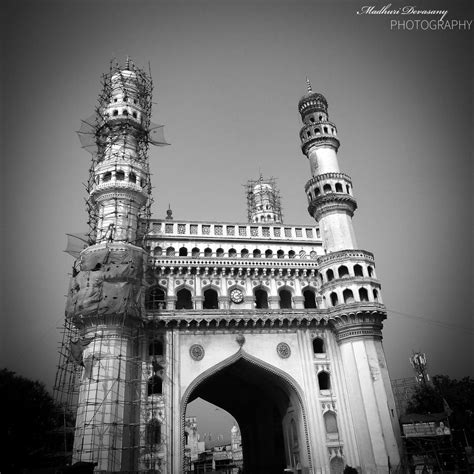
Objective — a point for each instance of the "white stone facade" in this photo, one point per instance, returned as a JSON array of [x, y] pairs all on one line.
[[278, 324]]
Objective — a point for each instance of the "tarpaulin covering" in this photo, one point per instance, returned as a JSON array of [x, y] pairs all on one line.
[[108, 283]]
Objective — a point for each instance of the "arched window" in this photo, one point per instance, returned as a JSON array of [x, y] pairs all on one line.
[[132, 177], [327, 188], [183, 252], [325, 130], [155, 298], [170, 251], [107, 176], [184, 299], [210, 300], [257, 253], [348, 296], [285, 299], [311, 119], [317, 192], [261, 299], [330, 422], [134, 114], [157, 251], [376, 295], [324, 381], [280, 254], [309, 299], [207, 252], [348, 189], [268, 253], [125, 112], [232, 253], [317, 130], [153, 432], [244, 253], [155, 385], [334, 299], [330, 275], [318, 346], [120, 175], [195, 252], [291, 254], [358, 271], [363, 294], [115, 113], [370, 271], [343, 271], [219, 252], [155, 348], [339, 188]]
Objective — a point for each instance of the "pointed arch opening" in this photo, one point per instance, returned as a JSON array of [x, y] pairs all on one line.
[[285, 299], [309, 299], [184, 299], [211, 299], [261, 299], [267, 405]]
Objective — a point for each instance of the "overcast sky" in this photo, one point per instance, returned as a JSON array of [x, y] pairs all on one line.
[[228, 76]]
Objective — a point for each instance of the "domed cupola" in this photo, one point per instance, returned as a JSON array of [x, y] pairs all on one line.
[[312, 103]]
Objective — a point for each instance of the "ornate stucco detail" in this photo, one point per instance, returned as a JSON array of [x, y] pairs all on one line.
[[283, 350], [196, 351]]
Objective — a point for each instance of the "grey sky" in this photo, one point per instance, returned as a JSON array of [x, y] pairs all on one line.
[[228, 76]]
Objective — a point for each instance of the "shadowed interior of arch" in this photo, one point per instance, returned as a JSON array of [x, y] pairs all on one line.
[[264, 405]]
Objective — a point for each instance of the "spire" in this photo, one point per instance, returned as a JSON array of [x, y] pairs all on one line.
[[127, 63], [308, 84], [169, 213]]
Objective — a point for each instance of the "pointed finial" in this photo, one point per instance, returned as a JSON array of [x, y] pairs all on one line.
[[310, 89], [127, 64], [169, 213]]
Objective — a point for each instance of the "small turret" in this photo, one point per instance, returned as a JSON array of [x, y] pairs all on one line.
[[263, 201]]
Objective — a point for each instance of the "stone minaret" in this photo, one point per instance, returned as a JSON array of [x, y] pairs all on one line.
[[350, 290], [104, 300]]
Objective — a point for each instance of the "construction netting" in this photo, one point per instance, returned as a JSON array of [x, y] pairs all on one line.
[[107, 282]]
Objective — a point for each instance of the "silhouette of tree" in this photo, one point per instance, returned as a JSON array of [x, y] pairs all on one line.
[[28, 415]]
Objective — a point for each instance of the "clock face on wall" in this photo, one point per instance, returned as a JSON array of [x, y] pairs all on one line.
[[236, 295]]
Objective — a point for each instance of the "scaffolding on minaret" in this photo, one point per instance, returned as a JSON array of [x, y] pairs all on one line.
[[98, 135], [263, 201], [95, 377]]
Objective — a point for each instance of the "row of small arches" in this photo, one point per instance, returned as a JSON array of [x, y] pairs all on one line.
[[120, 175], [232, 253], [343, 272], [327, 188], [155, 298], [318, 131], [348, 296], [125, 113]]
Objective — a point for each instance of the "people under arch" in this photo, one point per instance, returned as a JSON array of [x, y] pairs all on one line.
[[155, 298]]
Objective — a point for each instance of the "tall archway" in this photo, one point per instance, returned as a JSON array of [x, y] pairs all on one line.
[[267, 405]]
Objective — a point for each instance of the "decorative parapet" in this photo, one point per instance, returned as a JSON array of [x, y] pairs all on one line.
[[324, 177], [231, 231], [343, 255]]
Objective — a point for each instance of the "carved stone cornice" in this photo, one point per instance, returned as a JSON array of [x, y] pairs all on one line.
[[339, 282], [332, 318], [332, 202]]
